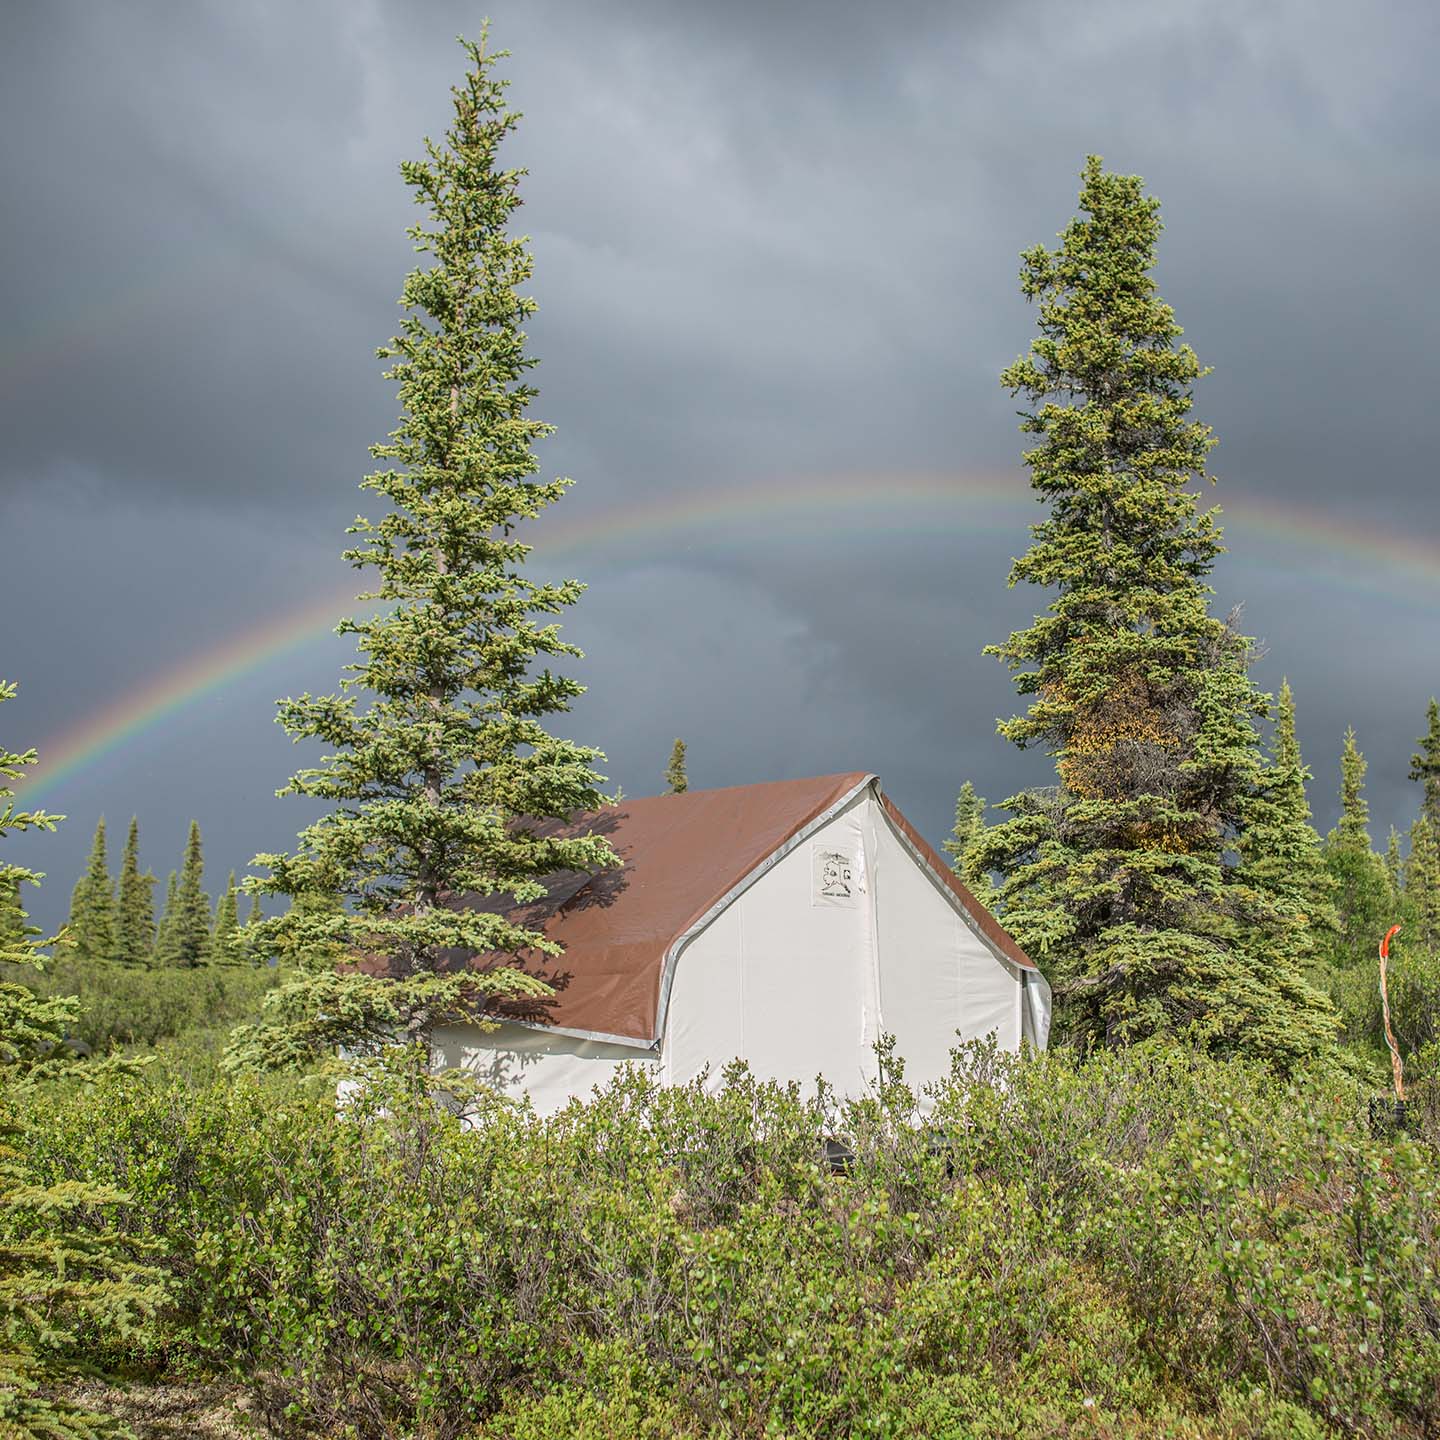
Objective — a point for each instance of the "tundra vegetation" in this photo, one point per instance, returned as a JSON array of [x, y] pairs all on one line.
[[1189, 1218]]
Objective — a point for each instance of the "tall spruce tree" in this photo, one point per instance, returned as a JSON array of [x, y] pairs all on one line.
[[962, 844], [90, 932], [1363, 895], [135, 910], [1280, 851], [67, 1277], [969, 820], [224, 938], [1425, 766], [1422, 865], [444, 785], [1353, 826], [1118, 880], [165, 951], [1422, 872], [677, 782], [1394, 863], [31, 1027], [189, 935], [1422, 884]]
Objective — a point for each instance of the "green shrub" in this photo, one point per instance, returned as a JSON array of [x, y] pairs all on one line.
[[1140, 1244], [613, 1398], [128, 1007]]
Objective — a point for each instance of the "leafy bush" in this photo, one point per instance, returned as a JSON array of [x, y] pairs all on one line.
[[128, 1007], [1138, 1244]]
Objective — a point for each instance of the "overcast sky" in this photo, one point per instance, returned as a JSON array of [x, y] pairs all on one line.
[[776, 253]]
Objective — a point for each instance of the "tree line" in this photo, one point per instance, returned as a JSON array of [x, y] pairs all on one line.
[[112, 920]]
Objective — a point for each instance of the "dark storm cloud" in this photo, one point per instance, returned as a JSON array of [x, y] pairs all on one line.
[[771, 241], [747, 216]]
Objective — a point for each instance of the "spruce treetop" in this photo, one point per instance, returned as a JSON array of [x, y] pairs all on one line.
[[164, 952], [1425, 766], [969, 817], [437, 783], [1394, 865], [135, 907], [1353, 830], [90, 933], [1422, 882], [189, 933], [1286, 743], [1280, 850], [224, 943], [677, 781], [1124, 544], [962, 846], [1364, 896]]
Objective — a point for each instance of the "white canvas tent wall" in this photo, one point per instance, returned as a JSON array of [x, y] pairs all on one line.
[[849, 928]]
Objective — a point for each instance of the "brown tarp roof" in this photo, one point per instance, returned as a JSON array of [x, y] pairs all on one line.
[[681, 855]]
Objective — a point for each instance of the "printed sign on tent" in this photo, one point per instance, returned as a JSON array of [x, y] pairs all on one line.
[[839, 879]]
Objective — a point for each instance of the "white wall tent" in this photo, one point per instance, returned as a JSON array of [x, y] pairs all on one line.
[[789, 924]]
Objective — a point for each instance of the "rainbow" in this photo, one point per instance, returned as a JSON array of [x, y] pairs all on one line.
[[812, 511]]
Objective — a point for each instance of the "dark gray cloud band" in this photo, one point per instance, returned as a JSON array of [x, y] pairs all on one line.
[[771, 241]]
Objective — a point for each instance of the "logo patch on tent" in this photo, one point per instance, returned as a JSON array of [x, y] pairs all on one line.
[[839, 880]]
